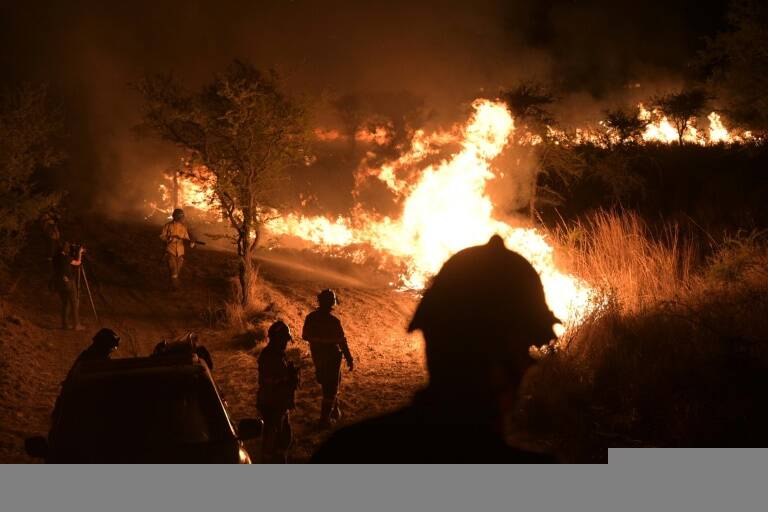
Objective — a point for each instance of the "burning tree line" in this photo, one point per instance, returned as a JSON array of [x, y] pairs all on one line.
[[612, 151], [243, 135], [245, 132]]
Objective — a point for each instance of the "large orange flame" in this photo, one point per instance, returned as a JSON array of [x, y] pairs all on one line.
[[447, 209]]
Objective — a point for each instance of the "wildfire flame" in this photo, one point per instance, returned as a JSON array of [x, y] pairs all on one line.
[[445, 210], [659, 129], [445, 206]]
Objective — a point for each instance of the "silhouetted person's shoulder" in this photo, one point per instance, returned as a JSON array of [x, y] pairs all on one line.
[[319, 315], [321, 324], [411, 436]]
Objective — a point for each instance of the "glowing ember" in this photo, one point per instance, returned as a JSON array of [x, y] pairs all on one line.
[[447, 209]]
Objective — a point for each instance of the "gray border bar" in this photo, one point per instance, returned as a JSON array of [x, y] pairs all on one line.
[[642, 480]]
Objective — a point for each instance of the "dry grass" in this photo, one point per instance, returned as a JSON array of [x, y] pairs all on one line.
[[253, 317], [677, 354], [619, 254]]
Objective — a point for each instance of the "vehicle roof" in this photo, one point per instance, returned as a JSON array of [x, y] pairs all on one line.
[[125, 367]]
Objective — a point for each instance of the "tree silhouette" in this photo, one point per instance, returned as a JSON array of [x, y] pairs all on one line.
[[29, 131], [681, 107], [530, 103], [735, 64], [246, 132], [626, 123]]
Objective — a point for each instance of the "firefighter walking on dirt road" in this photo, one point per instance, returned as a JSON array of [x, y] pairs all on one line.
[[278, 380], [328, 344], [174, 234]]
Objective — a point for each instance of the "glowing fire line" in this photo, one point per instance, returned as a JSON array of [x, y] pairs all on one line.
[[446, 210], [445, 206]]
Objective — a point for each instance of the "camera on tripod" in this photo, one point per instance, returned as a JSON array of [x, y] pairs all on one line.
[[76, 250]]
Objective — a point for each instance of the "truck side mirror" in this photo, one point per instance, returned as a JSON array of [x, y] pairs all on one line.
[[36, 447]]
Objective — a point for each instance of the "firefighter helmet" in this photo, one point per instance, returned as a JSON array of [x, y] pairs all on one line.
[[327, 298], [279, 330], [177, 214], [106, 338], [485, 300]]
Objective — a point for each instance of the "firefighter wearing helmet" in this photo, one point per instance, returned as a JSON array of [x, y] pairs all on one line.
[[278, 380], [103, 344], [328, 345], [174, 234], [480, 315]]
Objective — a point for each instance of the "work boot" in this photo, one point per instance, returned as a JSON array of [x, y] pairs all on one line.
[[325, 414], [335, 411]]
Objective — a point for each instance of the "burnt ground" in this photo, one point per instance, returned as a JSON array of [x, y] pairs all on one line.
[[128, 279]]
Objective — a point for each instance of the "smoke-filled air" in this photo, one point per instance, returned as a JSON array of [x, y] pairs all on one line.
[[381, 232]]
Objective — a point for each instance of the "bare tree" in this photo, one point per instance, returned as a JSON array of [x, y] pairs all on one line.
[[246, 132], [29, 131], [681, 107]]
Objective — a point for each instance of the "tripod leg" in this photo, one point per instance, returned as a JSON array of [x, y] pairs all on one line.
[[90, 296]]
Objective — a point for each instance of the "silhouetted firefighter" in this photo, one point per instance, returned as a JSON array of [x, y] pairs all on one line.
[[278, 380], [174, 234], [104, 343], [480, 315], [66, 268], [327, 344]]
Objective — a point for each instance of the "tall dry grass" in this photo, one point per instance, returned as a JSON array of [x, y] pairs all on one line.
[[248, 325], [677, 353], [248, 320], [619, 254]]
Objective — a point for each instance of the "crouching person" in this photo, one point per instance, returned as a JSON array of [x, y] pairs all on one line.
[[278, 380]]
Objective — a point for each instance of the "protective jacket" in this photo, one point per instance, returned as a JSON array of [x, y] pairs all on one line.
[[174, 233], [278, 380]]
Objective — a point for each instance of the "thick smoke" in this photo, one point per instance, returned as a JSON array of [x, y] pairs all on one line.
[[426, 60]]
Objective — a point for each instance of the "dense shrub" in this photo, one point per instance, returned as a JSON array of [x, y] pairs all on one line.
[[676, 355]]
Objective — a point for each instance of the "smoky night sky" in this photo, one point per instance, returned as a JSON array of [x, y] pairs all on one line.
[[446, 53]]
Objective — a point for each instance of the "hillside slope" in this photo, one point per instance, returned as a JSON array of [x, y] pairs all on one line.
[[128, 281]]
